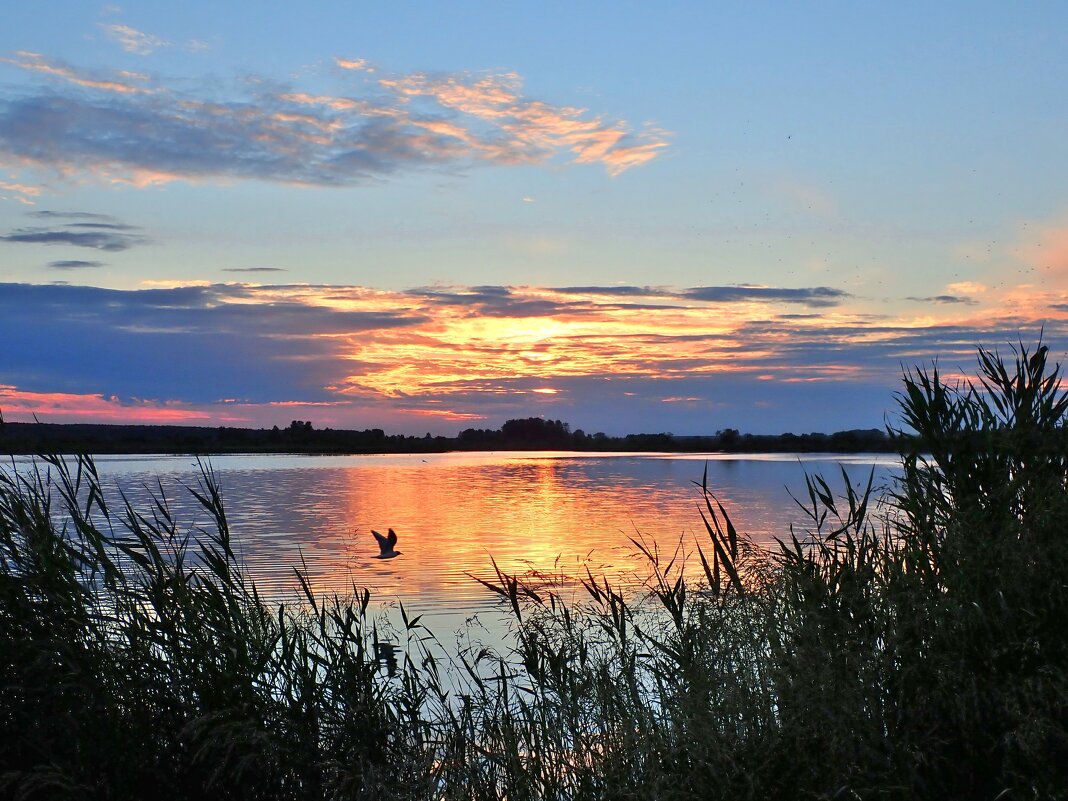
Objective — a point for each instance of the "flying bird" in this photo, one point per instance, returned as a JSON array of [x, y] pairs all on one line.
[[386, 544]]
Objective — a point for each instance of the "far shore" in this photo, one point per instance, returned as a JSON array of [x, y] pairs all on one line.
[[301, 437]]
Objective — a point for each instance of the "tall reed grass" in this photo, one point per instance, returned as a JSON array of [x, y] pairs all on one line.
[[909, 646]]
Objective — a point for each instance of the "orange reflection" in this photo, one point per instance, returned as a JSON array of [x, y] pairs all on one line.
[[532, 514]]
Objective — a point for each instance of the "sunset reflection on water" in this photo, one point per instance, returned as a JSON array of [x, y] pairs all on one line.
[[537, 513]]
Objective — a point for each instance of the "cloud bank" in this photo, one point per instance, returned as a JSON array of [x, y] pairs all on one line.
[[689, 360]]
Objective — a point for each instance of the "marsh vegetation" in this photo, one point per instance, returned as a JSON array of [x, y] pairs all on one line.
[[905, 646]]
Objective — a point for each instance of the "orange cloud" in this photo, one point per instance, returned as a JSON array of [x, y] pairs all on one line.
[[354, 64], [535, 128], [35, 62], [443, 414], [573, 338]]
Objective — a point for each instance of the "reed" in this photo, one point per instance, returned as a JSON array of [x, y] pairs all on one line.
[[905, 645]]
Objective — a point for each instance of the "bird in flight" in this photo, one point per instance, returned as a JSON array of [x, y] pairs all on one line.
[[387, 545]]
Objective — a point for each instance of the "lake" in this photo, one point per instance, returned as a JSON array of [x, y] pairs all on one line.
[[545, 512]]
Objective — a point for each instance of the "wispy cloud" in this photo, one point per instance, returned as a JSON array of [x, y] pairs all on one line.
[[820, 296], [96, 231], [74, 264], [100, 240], [120, 82], [84, 216], [254, 270], [132, 40], [22, 193], [966, 288], [138, 129], [944, 299], [814, 296], [617, 291]]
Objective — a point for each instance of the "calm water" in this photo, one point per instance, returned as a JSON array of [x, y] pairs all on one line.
[[533, 513], [545, 512]]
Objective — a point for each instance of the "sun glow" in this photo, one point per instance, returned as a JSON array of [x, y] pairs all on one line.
[[455, 354], [461, 342]]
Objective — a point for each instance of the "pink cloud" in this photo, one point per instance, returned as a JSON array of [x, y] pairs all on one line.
[[21, 405], [35, 62]]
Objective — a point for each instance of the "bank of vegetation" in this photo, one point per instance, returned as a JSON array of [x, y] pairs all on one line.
[[301, 436], [908, 647]]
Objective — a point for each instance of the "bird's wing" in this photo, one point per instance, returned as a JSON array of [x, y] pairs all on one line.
[[392, 539], [384, 544]]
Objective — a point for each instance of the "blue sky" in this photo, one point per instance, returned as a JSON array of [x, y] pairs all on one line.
[[675, 217]]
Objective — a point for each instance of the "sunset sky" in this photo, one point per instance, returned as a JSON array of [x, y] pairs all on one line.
[[427, 217]]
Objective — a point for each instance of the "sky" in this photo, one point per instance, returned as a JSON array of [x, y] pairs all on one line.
[[634, 217]]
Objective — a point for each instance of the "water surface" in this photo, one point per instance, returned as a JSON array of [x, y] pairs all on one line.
[[544, 512]]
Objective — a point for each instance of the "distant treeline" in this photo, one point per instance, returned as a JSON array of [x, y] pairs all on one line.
[[535, 432], [532, 433]]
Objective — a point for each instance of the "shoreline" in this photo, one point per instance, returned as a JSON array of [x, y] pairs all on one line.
[[24, 439]]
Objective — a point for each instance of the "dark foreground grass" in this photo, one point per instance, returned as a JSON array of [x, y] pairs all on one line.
[[912, 648]]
